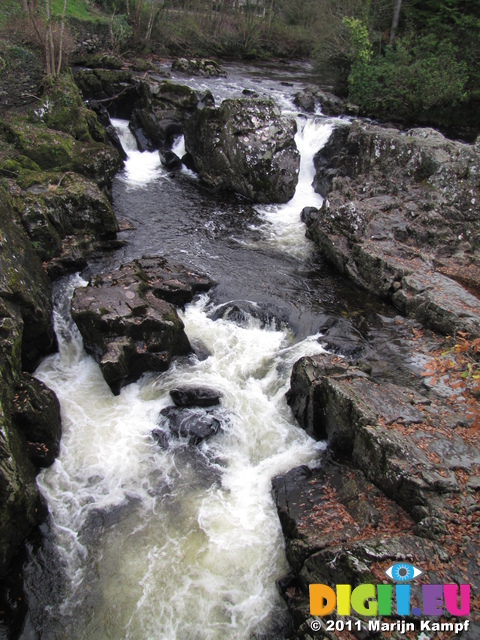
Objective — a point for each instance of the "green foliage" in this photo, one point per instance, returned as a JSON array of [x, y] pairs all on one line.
[[415, 77], [361, 49]]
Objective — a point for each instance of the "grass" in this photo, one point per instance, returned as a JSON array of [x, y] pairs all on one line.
[[78, 9]]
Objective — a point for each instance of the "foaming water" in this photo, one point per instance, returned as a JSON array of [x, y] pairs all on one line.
[[141, 167], [184, 542], [194, 545], [283, 226]]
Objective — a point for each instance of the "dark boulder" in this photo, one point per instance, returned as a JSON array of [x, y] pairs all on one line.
[[161, 111], [195, 397], [194, 425], [36, 414], [245, 145], [244, 313], [128, 321], [170, 161]]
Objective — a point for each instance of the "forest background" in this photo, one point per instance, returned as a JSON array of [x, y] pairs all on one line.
[[414, 61]]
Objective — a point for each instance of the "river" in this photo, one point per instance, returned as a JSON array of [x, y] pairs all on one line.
[[185, 543]]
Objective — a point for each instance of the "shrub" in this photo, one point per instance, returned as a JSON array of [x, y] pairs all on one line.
[[417, 76]]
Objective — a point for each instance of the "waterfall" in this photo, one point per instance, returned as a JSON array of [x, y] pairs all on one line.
[[185, 542]]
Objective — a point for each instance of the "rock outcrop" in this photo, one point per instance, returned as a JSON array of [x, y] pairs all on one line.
[[401, 218], [128, 320], [59, 171], [29, 412], [399, 482], [162, 110], [245, 145], [312, 98]]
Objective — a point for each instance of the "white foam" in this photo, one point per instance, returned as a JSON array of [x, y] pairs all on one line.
[[196, 552]]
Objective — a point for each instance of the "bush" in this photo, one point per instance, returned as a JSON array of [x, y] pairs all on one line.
[[416, 78]]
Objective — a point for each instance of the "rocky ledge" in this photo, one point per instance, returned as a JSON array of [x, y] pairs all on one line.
[[399, 483], [128, 320], [401, 218], [29, 412]]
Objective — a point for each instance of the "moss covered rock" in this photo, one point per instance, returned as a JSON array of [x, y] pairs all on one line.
[[62, 109], [26, 333], [24, 283]]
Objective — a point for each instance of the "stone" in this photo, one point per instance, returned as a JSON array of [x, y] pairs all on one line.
[[195, 397], [198, 67], [245, 145], [128, 321], [36, 414], [401, 219], [162, 110], [191, 424]]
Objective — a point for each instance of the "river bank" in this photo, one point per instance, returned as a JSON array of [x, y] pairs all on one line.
[[282, 300]]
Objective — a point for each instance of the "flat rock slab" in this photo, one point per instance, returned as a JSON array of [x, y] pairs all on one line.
[[128, 321], [402, 484]]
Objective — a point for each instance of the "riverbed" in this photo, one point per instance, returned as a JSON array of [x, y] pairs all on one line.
[[185, 542]]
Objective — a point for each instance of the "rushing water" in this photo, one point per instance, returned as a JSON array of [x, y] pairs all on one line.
[[182, 543]]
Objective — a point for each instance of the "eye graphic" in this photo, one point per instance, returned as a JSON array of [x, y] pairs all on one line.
[[403, 572]]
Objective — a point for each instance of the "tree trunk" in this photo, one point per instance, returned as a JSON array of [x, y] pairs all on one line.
[[60, 46], [395, 20]]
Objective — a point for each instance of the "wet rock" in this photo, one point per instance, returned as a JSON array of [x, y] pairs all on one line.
[[198, 67], [245, 145], [52, 210], [24, 283], [36, 414], [170, 161], [191, 424], [26, 334], [312, 97], [128, 321], [195, 397], [400, 216], [162, 110], [308, 215], [384, 430], [244, 313]]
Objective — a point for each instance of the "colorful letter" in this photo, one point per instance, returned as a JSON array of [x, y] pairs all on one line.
[[402, 592], [450, 595], [384, 597], [343, 599], [322, 600], [363, 600], [433, 599]]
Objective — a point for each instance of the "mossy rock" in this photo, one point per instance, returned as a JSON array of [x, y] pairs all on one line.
[[103, 61], [62, 109], [48, 149], [139, 64]]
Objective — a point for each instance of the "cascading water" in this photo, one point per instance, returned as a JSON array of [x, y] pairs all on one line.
[[185, 542]]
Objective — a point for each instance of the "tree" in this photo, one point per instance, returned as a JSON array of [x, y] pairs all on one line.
[[47, 29], [395, 19]]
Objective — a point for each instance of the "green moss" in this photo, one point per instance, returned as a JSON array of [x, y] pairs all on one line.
[[62, 109], [31, 178]]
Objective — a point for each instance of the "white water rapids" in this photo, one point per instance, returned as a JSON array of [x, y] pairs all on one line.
[[183, 543]]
